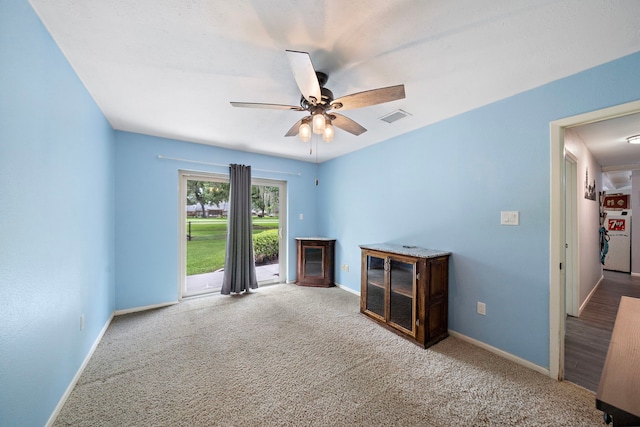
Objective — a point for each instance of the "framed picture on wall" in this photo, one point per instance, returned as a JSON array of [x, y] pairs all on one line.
[[589, 188]]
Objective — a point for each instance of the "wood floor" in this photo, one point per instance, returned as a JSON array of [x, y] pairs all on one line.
[[587, 337]]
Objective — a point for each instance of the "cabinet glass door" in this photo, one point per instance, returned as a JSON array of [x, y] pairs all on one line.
[[313, 261], [375, 285], [401, 292]]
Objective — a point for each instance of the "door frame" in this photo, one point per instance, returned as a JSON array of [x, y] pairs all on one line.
[[557, 226], [282, 225], [185, 175], [571, 223]]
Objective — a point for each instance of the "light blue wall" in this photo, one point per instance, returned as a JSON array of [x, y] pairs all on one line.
[[443, 187], [56, 219], [147, 209], [88, 216]]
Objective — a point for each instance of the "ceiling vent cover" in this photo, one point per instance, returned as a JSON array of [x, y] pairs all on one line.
[[394, 116]]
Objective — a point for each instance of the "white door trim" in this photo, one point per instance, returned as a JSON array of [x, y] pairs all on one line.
[[571, 222], [556, 229]]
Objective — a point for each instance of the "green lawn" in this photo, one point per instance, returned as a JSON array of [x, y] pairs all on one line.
[[206, 249]]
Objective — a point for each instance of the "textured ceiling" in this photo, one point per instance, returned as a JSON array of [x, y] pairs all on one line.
[[170, 67], [607, 141]]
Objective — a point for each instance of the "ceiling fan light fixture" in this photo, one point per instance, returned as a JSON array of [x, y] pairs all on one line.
[[305, 132], [318, 101], [318, 123], [635, 139], [327, 134]]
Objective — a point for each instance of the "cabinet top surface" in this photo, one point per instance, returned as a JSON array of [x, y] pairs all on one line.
[[406, 250], [315, 238], [617, 387]]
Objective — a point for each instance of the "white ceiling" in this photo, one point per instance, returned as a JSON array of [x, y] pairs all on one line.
[[607, 141], [170, 67]]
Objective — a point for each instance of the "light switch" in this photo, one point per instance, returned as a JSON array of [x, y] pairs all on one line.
[[509, 218]]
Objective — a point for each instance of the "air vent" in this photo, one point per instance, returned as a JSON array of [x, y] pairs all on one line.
[[394, 116]]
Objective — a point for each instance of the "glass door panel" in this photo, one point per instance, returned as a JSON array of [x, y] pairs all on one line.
[[401, 303], [375, 285], [313, 261]]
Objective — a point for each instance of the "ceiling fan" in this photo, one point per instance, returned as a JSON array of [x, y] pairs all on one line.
[[319, 102]]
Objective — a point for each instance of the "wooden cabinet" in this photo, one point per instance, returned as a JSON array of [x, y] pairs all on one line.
[[406, 289], [315, 261]]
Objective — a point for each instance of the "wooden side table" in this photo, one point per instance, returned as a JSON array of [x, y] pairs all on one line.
[[315, 261]]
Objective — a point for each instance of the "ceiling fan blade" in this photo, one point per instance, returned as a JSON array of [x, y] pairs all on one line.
[[369, 97], [305, 75], [294, 129], [269, 106], [345, 123]]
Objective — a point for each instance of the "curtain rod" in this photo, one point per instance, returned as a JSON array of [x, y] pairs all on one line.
[[221, 164]]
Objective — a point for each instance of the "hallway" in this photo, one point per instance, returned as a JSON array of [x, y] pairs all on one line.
[[587, 337]]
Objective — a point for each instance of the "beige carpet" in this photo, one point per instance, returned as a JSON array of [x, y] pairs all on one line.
[[293, 356]]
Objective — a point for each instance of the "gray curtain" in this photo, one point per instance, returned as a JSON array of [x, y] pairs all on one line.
[[239, 265]]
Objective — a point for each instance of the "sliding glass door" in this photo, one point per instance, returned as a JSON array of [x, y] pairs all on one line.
[[204, 202]]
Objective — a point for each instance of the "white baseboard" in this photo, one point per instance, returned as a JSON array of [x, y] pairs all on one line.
[[480, 344], [593, 291], [146, 307], [76, 377], [501, 353], [345, 288], [635, 274]]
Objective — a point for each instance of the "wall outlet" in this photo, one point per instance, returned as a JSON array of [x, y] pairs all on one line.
[[301, 217], [346, 268], [482, 308], [81, 321]]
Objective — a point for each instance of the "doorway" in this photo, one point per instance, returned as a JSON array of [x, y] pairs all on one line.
[[557, 253], [203, 218]]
